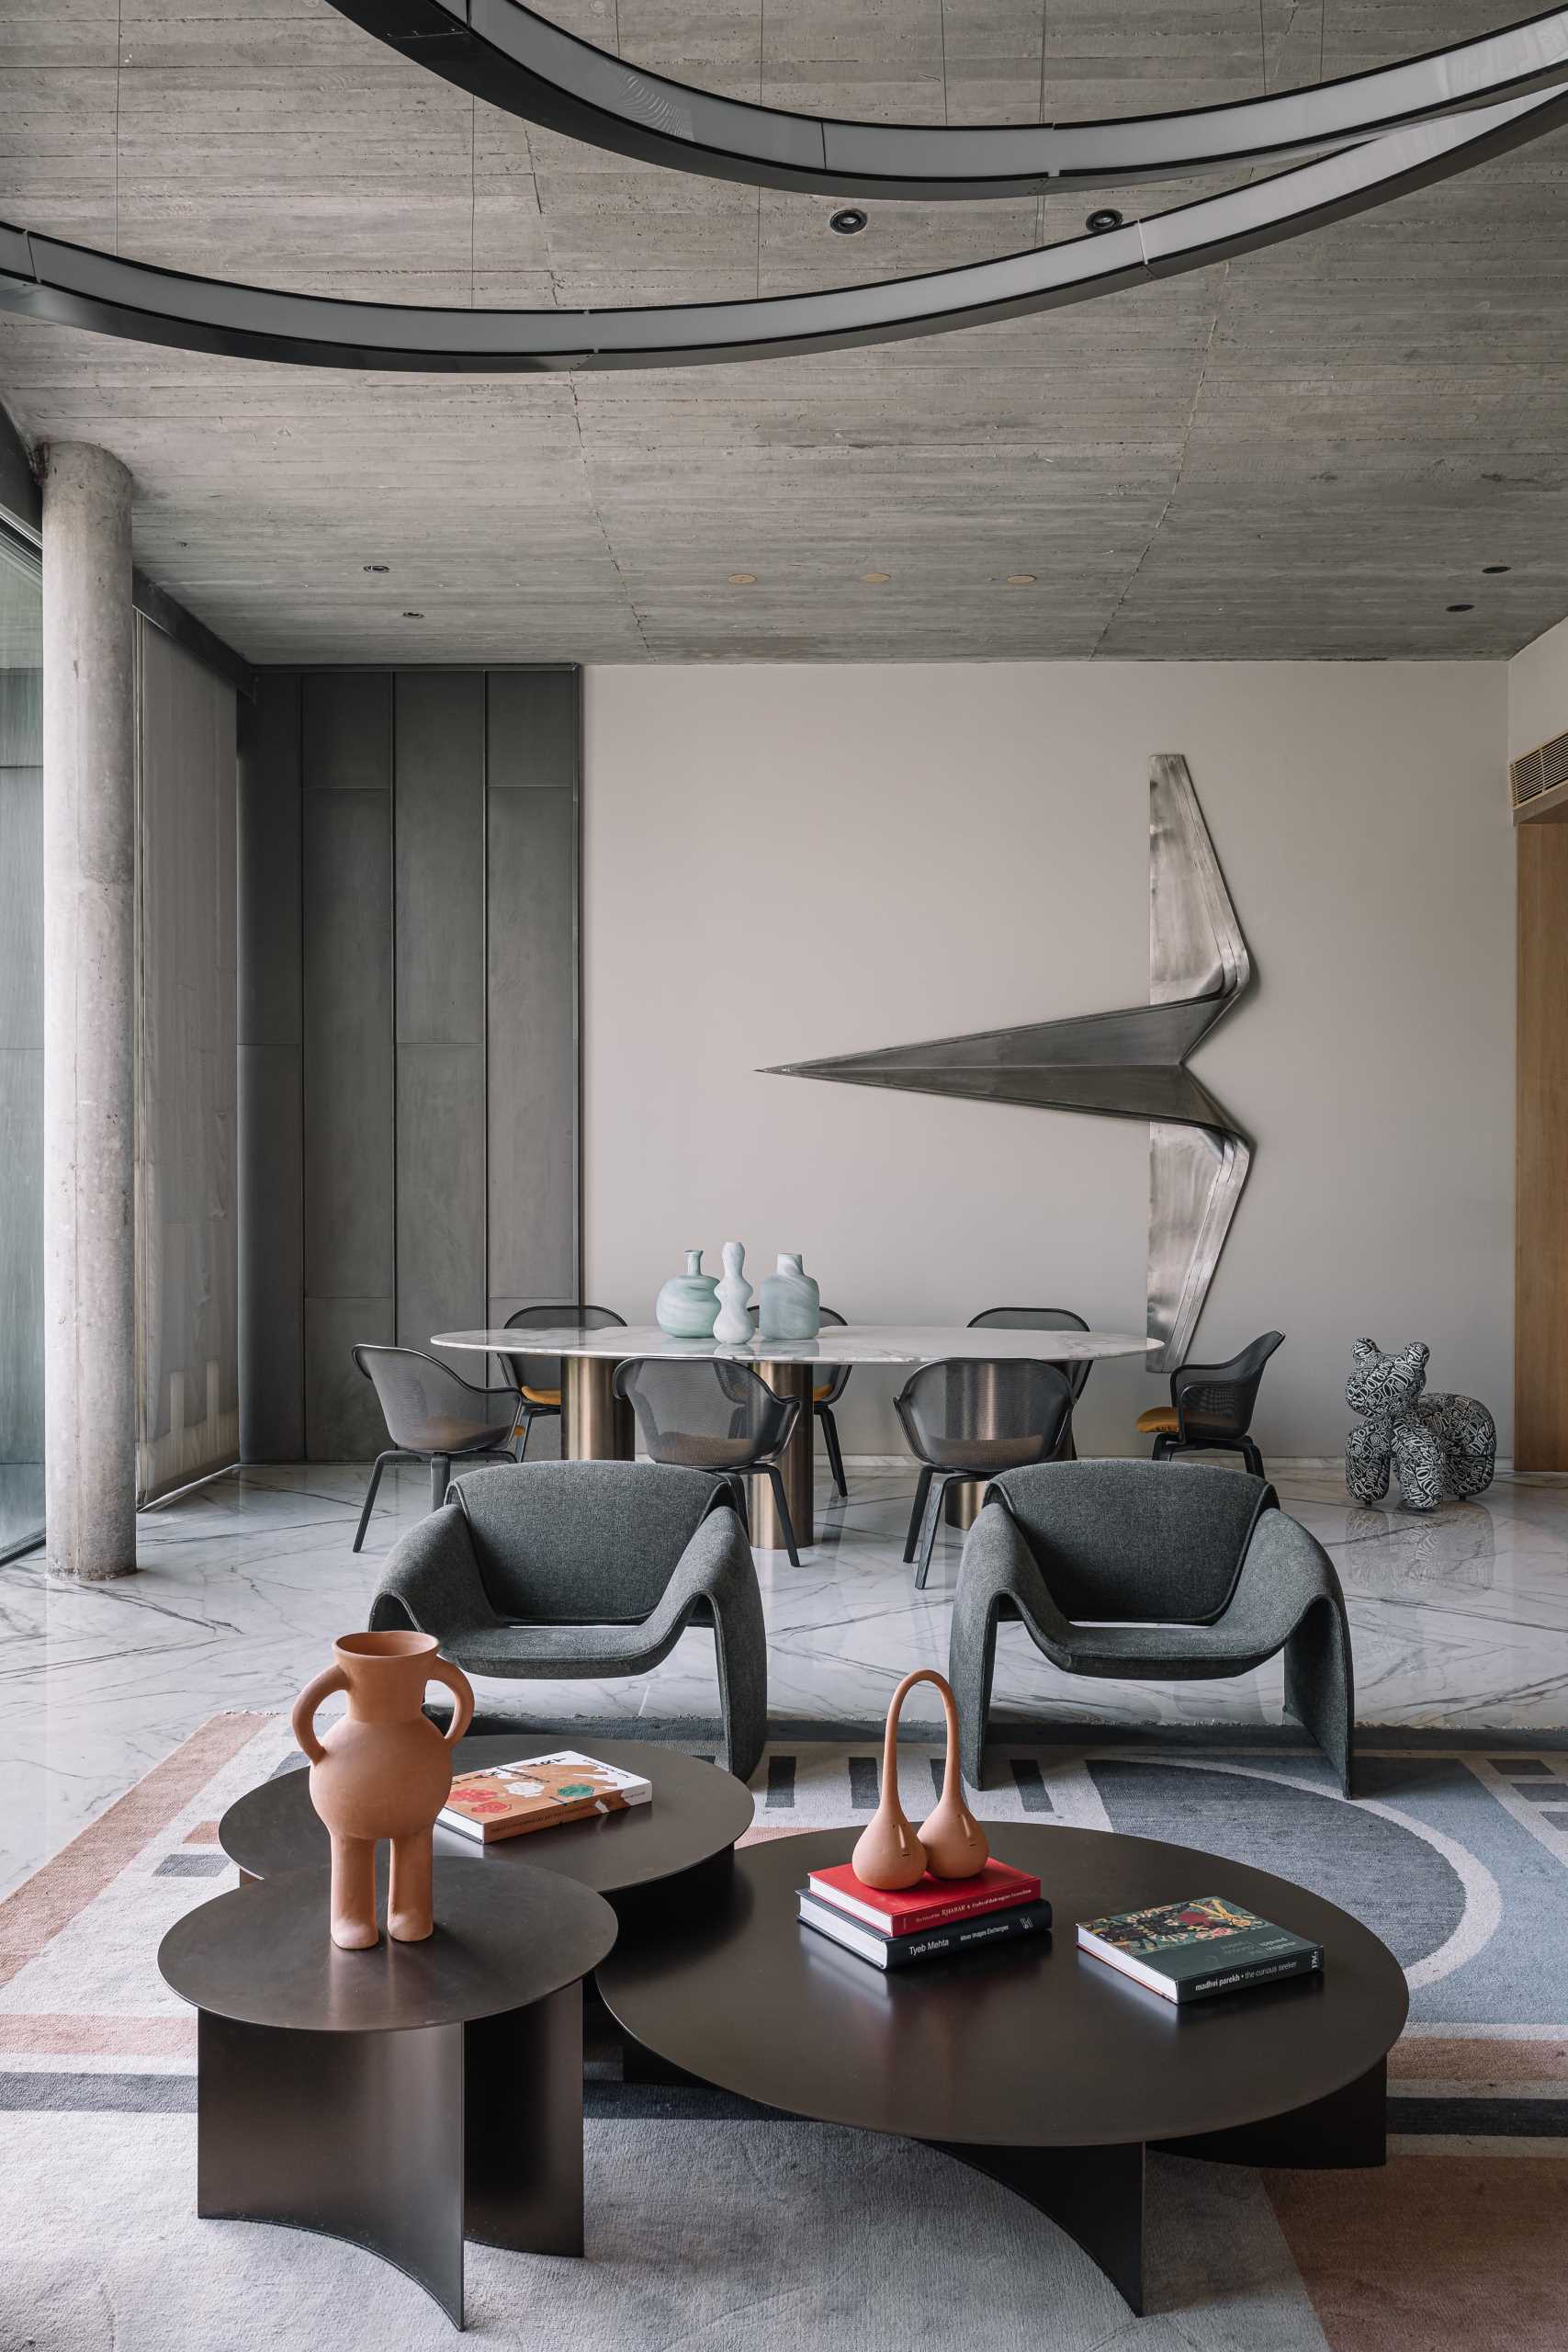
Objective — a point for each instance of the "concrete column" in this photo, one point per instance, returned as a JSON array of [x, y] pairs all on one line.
[[89, 981]]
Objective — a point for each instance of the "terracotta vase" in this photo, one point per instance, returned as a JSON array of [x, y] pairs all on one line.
[[383, 1771], [950, 1843]]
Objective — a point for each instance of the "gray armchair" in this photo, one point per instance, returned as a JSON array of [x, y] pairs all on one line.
[[1144, 1571], [576, 1570]]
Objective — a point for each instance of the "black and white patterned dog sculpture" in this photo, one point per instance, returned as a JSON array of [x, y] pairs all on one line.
[[1439, 1446]]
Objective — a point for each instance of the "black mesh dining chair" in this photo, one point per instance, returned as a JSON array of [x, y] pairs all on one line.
[[538, 1379], [1211, 1405], [431, 1416], [716, 1415], [967, 1418], [825, 1395]]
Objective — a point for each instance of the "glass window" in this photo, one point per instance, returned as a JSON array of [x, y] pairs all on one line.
[[21, 1052]]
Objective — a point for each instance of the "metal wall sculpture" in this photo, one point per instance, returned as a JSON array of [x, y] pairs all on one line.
[[506, 55], [1129, 1064], [43, 277]]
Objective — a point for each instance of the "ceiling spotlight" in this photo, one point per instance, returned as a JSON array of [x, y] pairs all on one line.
[[876, 579], [1103, 221], [1462, 608], [413, 616], [849, 222], [1491, 570], [374, 567], [1023, 579], [743, 580]]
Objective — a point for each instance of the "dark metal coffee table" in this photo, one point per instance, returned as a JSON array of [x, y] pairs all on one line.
[[1036, 2064], [696, 1815], [406, 2098]]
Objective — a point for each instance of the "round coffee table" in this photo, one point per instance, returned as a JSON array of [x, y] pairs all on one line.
[[1036, 2063], [696, 1813], [404, 2097]]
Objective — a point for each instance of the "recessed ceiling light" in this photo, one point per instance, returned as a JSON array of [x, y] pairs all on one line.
[[743, 580], [1462, 608], [1493, 569], [374, 566], [876, 579], [413, 616], [849, 221], [1106, 218], [1021, 579]]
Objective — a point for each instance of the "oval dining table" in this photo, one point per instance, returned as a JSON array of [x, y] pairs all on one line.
[[596, 1425]]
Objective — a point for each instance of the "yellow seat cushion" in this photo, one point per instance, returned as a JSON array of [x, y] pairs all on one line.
[[1160, 1420], [542, 1395], [825, 1390]]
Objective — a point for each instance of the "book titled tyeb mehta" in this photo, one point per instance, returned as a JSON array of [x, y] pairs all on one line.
[[1186, 1951]]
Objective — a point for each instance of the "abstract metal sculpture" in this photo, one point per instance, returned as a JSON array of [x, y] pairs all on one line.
[[503, 52], [77, 286], [1130, 1064]]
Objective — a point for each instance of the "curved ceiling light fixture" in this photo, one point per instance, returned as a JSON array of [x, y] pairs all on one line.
[[75, 285], [505, 53]]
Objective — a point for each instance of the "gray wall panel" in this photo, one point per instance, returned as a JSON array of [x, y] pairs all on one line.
[[533, 1209], [346, 729], [343, 1421], [272, 1175], [349, 1085], [272, 1256], [440, 1195], [535, 728], [440, 896], [269, 863], [21, 900]]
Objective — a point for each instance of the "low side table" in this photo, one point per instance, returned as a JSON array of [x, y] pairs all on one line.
[[403, 2098]]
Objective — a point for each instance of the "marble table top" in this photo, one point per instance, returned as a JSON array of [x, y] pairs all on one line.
[[891, 1343]]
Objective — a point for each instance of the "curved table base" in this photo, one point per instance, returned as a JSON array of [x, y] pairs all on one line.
[[405, 2143]]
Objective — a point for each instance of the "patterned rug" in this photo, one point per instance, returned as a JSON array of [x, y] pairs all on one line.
[[711, 2228]]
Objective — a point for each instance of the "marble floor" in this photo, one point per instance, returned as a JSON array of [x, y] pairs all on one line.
[[1460, 1621]]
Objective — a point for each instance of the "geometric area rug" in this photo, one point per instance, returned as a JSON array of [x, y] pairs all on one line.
[[712, 2227]]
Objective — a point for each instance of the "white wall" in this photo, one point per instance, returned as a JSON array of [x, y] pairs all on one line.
[[1538, 691], [783, 863]]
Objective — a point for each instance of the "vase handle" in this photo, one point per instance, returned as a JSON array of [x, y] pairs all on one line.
[[303, 1719], [443, 1671]]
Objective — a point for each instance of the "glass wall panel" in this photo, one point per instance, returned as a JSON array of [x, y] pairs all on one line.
[[21, 1053]]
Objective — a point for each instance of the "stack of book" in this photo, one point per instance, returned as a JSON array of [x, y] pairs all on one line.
[[1184, 1951], [930, 1920], [538, 1793]]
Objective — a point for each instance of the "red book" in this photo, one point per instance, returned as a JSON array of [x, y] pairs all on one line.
[[929, 1902]]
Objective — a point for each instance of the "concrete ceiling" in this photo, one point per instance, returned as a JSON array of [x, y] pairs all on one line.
[[1310, 452]]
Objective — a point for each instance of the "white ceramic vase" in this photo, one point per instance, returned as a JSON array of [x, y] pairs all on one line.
[[733, 1328], [789, 1301]]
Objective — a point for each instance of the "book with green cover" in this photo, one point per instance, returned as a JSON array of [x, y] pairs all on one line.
[[1186, 1951]]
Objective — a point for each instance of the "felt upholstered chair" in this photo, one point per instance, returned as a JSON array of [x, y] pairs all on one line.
[[550, 1571], [1133, 1571], [1211, 1405]]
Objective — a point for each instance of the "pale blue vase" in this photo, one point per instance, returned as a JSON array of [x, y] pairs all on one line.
[[687, 1307], [789, 1304]]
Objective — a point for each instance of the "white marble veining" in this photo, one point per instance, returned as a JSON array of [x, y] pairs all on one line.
[[1459, 1620], [891, 1343]]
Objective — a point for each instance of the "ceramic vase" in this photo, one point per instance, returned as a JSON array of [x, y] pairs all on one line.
[[789, 1303], [688, 1303], [733, 1328], [950, 1843], [384, 1771]]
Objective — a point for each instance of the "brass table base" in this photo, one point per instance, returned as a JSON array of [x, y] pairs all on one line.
[[596, 1424]]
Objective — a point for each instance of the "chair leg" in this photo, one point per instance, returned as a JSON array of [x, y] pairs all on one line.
[[528, 1425], [927, 1533], [381, 1462], [440, 1478], [1320, 1689], [971, 1667], [780, 1504], [741, 1652], [918, 1516], [741, 1501], [835, 1457]]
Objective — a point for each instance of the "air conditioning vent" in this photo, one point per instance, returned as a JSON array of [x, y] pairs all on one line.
[[1525, 775]]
